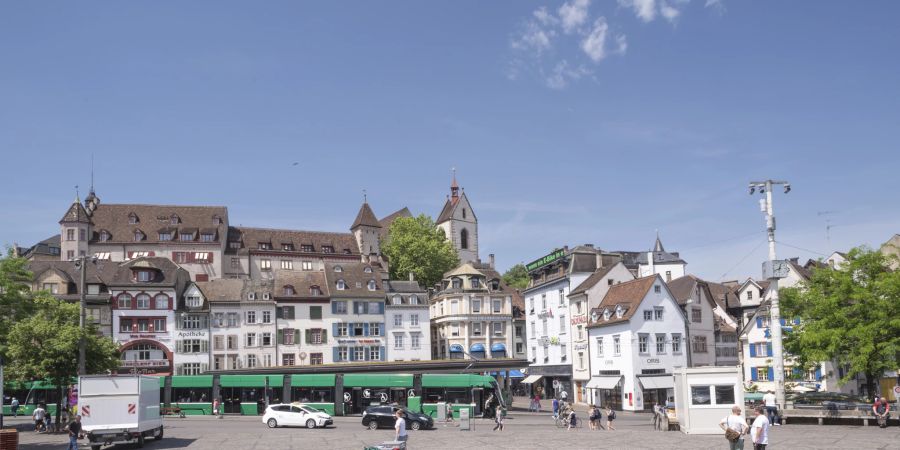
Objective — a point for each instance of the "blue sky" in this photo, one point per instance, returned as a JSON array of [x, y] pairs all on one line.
[[569, 123]]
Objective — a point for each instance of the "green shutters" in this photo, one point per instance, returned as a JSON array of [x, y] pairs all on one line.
[[280, 336], [309, 336], [315, 312], [324, 336]]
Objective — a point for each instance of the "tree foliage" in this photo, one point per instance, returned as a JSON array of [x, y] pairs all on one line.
[[516, 277], [849, 315], [15, 295], [415, 245]]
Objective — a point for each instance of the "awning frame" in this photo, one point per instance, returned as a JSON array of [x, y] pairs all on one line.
[[659, 382], [605, 380], [531, 379]]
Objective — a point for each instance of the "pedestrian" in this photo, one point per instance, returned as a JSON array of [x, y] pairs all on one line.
[[593, 417], [48, 421], [537, 402], [449, 412], [771, 406], [216, 405], [564, 396], [38, 416], [610, 416], [735, 428], [400, 427], [74, 429], [572, 419], [498, 419], [14, 405], [555, 408], [759, 431], [882, 411]]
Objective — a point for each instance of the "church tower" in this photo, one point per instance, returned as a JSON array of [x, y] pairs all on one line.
[[366, 230], [75, 230], [459, 223]]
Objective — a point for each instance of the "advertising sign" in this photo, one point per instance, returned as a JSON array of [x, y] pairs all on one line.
[[555, 255]]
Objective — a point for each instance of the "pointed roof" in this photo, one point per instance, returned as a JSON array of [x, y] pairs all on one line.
[[446, 213], [628, 295], [465, 269], [592, 280], [388, 220], [658, 247], [76, 213], [365, 217]]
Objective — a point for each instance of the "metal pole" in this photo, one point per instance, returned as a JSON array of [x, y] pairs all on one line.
[[83, 307], [689, 346], [1, 392], [775, 312]]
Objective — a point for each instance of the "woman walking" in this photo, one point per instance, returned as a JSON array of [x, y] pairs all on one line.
[[610, 416], [498, 419]]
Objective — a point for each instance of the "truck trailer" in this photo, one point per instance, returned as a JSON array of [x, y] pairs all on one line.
[[121, 408]]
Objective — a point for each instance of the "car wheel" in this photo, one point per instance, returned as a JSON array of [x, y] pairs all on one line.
[[415, 426], [310, 424], [373, 425], [95, 447], [272, 423], [140, 440]]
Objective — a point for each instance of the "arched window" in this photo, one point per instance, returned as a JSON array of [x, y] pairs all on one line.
[[143, 301], [288, 290], [397, 300], [414, 299], [314, 290], [133, 219], [124, 301], [138, 235], [174, 220], [338, 269], [367, 269], [104, 236], [371, 285], [341, 285], [464, 239], [162, 301]]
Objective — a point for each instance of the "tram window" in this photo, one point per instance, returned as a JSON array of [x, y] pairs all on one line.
[[251, 395], [434, 395], [191, 395], [312, 395], [458, 395]]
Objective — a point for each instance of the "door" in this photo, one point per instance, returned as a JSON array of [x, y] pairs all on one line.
[[296, 416], [478, 399], [231, 398]]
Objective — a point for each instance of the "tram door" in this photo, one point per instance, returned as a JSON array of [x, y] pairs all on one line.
[[478, 399], [398, 396], [231, 399]]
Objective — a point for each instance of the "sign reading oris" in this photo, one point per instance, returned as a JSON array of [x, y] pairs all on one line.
[[543, 261]]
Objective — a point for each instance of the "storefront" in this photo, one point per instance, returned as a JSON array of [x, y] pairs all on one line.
[[606, 391], [550, 381], [657, 389]]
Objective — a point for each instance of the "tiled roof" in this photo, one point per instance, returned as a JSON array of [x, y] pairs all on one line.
[[98, 272], [172, 274], [402, 287], [114, 219], [365, 217], [387, 221], [76, 213], [355, 279], [592, 280], [250, 238], [465, 269], [301, 282], [446, 213], [628, 295], [222, 290], [682, 288]]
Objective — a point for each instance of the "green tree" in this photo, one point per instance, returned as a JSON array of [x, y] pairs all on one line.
[[849, 315], [45, 345], [415, 245], [15, 294], [516, 277]]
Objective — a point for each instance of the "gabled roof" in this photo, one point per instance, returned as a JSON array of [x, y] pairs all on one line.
[[592, 280], [353, 273], [365, 217], [388, 220], [114, 218], [250, 238], [403, 287], [804, 273], [76, 214], [301, 281], [446, 213], [465, 269], [627, 295]]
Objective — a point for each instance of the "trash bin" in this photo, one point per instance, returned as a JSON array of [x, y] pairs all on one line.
[[9, 439]]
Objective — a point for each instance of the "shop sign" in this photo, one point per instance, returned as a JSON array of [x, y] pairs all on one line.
[[578, 320], [652, 360], [581, 347], [609, 362], [199, 334], [545, 260]]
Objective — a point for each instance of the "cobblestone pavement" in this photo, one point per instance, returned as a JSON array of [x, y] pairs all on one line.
[[524, 430]]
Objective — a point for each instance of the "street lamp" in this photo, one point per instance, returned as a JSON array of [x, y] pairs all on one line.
[[81, 264], [687, 329]]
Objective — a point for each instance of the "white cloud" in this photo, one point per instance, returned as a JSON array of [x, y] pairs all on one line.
[[621, 44], [573, 14], [594, 44], [647, 10], [644, 9], [533, 38], [562, 74], [668, 11], [544, 17]]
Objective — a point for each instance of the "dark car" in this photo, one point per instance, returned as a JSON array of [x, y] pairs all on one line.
[[827, 401], [384, 417]]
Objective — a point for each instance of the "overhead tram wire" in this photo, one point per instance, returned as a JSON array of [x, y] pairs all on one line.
[[802, 249], [722, 277], [682, 250]]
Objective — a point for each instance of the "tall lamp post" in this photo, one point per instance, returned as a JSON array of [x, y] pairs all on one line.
[[689, 346], [81, 264], [773, 269]]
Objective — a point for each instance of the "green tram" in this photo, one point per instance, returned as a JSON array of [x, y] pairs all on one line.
[[30, 394], [347, 394]]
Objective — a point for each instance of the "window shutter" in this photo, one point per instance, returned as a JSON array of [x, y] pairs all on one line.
[[365, 329], [754, 376], [783, 322], [204, 346], [796, 321], [382, 354], [279, 336], [759, 322], [279, 313], [324, 336], [179, 321], [351, 355], [770, 373], [350, 328], [309, 336], [334, 307], [753, 353], [296, 332], [380, 307], [334, 354], [769, 349], [204, 367], [819, 373], [334, 330]]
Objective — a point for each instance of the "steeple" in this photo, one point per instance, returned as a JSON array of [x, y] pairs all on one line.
[[454, 187], [367, 231], [658, 247], [365, 217]]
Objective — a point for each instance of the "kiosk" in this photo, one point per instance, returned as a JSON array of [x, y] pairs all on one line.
[[705, 395]]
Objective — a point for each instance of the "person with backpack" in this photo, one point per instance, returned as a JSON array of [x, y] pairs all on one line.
[[610, 416], [735, 428], [882, 410], [572, 419], [594, 418]]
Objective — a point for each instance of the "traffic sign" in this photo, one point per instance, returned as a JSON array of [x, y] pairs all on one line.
[[897, 392], [556, 384]]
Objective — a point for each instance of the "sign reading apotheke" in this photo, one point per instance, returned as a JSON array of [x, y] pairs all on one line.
[[540, 262], [192, 334]]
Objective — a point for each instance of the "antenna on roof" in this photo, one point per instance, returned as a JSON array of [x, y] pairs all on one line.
[[77, 197], [365, 197], [92, 172]]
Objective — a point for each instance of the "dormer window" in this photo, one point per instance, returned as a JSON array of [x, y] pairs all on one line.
[[308, 248], [347, 251], [476, 283], [367, 269], [341, 285], [144, 276], [192, 301], [265, 246], [315, 290], [372, 285], [619, 312], [287, 246], [414, 299], [174, 219], [104, 236], [186, 237], [138, 235], [207, 237], [165, 235], [606, 314], [234, 245], [327, 249], [397, 300], [288, 290], [456, 283], [216, 220], [133, 219], [338, 269], [495, 285], [594, 316]]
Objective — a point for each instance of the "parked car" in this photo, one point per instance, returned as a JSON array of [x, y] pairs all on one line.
[[282, 415], [384, 417], [828, 401]]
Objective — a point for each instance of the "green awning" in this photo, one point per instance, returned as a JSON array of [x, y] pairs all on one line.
[[250, 380], [191, 381], [315, 380], [377, 380], [162, 382], [455, 380]]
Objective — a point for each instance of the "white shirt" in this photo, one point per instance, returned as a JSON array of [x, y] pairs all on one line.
[[760, 430], [563, 395], [769, 399], [734, 422], [39, 413], [400, 426]]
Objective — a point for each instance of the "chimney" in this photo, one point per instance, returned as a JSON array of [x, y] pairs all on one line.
[[412, 276], [650, 262], [491, 260]]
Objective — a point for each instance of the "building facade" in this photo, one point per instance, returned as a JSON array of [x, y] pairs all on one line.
[[356, 315], [408, 327], [458, 222]]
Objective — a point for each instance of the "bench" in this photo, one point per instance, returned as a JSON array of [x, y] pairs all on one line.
[[821, 414]]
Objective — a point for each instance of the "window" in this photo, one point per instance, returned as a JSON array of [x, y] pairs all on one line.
[[498, 328], [144, 276], [327, 249], [232, 342], [132, 219], [359, 353], [398, 320], [375, 329], [315, 312], [267, 317], [191, 322], [454, 307], [341, 329], [251, 361], [165, 235], [287, 246], [104, 236], [543, 302], [563, 353], [696, 315], [53, 288], [142, 301], [358, 329], [191, 346], [251, 316], [316, 359], [580, 332], [648, 314], [251, 339], [306, 265], [70, 234], [562, 297], [159, 325], [234, 244], [264, 246], [658, 313], [138, 236], [341, 285], [397, 300], [761, 350], [143, 325], [315, 291], [414, 320], [265, 264], [749, 295], [288, 359], [456, 283], [375, 353], [308, 248], [289, 336], [414, 299], [676, 343], [643, 344], [600, 346], [762, 373], [699, 344], [464, 239], [476, 283], [724, 394], [531, 305], [218, 342], [700, 395], [581, 360], [287, 264], [415, 340], [192, 301], [125, 325], [498, 306], [562, 324], [371, 285], [660, 344], [545, 327], [617, 345], [266, 339], [398, 341], [454, 329], [476, 329], [374, 308], [476, 305], [657, 289], [668, 276], [232, 319], [340, 307]]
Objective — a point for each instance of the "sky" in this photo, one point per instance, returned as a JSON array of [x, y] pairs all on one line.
[[574, 122]]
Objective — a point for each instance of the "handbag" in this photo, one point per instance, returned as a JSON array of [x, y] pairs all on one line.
[[730, 434]]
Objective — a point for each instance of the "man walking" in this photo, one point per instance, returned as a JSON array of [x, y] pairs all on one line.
[[759, 431], [771, 406], [555, 408], [563, 395], [400, 427], [14, 405], [74, 429], [738, 427], [38, 416]]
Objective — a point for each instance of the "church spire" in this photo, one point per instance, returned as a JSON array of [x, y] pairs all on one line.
[[658, 247], [454, 186]]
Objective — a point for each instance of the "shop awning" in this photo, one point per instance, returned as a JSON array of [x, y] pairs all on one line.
[[456, 348], [664, 382], [475, 348], [532, 378], [601, 382]]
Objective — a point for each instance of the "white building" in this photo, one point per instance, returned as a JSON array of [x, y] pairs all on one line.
[[408, 328], [192, 333], [242, 324], [637, 339], [458, 222], [356, 316], [583, 298], [702, 312], [656, 261]]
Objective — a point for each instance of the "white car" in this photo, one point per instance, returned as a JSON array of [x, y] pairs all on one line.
[[283, 415]]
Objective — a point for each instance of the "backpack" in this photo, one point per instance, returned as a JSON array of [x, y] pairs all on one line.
[[611, 415]]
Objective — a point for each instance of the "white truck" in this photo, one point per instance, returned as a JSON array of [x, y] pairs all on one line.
[[119, 409]]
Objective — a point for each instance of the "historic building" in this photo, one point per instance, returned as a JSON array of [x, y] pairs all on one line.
[[657, 260], [471, 314], [192, 332], [62, 279], [242, 323], [458, 222], [408, 328], [356, 315]]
